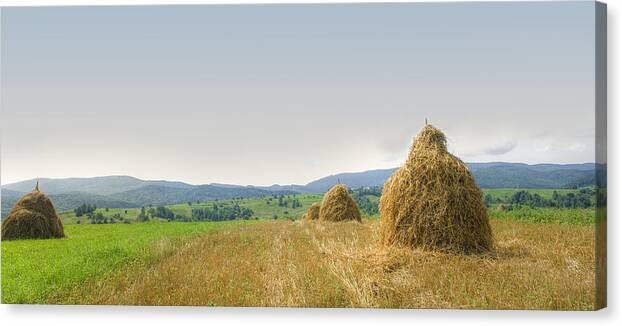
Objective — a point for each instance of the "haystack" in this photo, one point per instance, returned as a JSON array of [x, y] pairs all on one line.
[[338, 205], [33, 217], [433, 202], [313, 213]]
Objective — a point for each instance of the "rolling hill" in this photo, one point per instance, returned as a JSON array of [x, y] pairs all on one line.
[[8, 199], [152, 193], [161, 195], [107, 185], [487, 175], [353, 180], [126, 191], [65, 201]]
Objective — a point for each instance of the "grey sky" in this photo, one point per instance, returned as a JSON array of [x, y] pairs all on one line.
[[262, 94]]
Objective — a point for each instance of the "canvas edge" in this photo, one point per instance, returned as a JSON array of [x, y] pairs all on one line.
[[601, 154]]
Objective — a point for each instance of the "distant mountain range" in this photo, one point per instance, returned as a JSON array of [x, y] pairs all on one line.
[[97, 185], [126, 191], [488, 175]]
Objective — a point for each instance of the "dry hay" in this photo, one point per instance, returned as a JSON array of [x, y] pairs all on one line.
[[313, 213], [33, 217], [338, 205], [433, 202]]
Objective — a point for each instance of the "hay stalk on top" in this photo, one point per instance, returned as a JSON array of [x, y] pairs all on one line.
[[433, 201], [338, 205]]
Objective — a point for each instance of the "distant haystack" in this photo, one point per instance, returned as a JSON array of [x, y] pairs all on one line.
[[433, 202], [313, 213], [338, 205], [33, 217]]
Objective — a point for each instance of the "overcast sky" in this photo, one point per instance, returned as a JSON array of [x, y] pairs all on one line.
[[263, 94]]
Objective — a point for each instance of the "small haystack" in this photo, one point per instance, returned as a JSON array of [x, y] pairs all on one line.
[[338, 205], [433, 202], [33, 217], [313, 213]]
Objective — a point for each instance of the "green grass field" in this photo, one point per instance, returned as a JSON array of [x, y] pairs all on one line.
[[34, 269], [304, 264], [264, 209], [39, 271], [547, 215], [507, 192]]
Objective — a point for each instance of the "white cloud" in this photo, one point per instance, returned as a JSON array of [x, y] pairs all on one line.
[[577, 147], [497, 149]]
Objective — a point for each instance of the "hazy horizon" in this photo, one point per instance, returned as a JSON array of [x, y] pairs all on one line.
[[286, 94], [258, 185]]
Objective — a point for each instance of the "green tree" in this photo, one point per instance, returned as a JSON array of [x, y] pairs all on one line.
[[142, 216], [488, 200]]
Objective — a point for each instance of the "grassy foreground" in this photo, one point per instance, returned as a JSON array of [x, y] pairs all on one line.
[[32, 270], [283, 263]]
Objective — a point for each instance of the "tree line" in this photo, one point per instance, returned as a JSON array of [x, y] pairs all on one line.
[[100, 218], [84, 209], [284, 201], [361, 198], [584, 198], [222, 213], [214, 213]]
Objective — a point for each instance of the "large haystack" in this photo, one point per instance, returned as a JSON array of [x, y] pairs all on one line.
[[33, 217], [338, 205], [313, 213], [433, 202]]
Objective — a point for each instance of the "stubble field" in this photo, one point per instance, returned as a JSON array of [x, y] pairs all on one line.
[[303, 264]]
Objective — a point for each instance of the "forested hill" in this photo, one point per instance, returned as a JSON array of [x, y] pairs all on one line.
[[487, 175], [67, 197], [126, 191]]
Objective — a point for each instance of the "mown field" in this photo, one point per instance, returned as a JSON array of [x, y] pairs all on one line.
[[300, 264], [543, 259], [32, 270]]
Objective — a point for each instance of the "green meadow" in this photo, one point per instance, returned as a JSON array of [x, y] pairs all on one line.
[[263, 208], [268, 208], [546, 215], [40, 271], [545, 193], [32, 270]]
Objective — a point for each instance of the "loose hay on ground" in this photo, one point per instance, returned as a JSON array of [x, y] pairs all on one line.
[[535, 266]]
